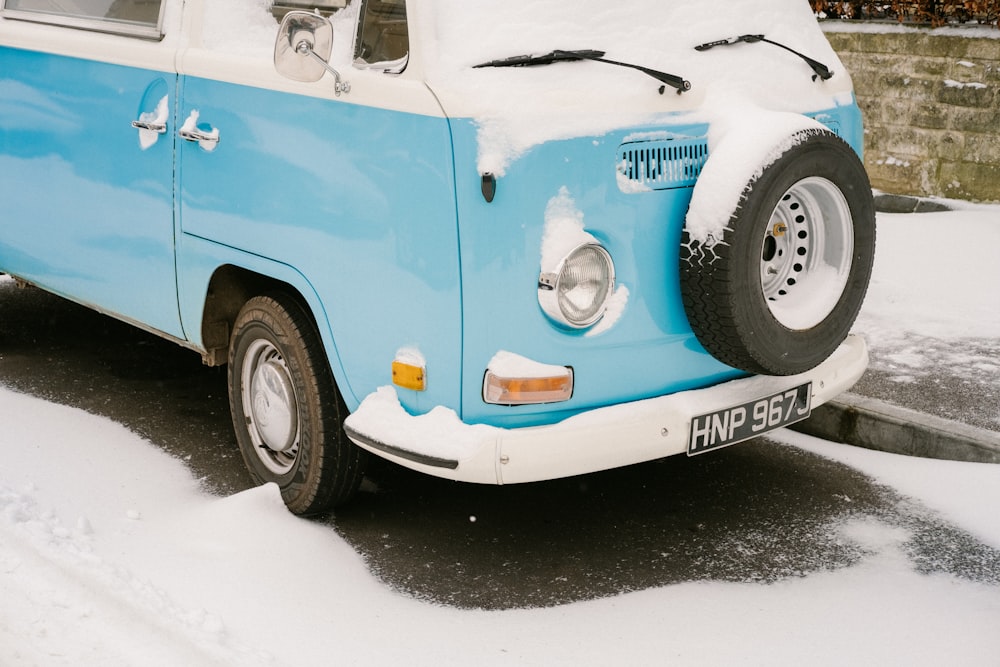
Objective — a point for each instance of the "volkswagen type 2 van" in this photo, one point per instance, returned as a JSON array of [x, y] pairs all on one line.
[[493, 242]]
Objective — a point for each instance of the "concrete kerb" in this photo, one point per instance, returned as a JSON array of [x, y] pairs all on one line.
[[873, 424], [887, 203]]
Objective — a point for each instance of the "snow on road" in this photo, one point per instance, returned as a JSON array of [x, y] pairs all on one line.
[[111, 554]]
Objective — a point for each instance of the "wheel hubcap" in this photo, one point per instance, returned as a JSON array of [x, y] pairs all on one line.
[[269, 406], [806, 253]]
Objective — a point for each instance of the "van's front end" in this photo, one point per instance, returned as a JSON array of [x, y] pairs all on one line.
[[665, 234]]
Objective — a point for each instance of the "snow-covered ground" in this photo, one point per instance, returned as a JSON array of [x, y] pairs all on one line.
[[111, 554], [932, 316], [935, 275]]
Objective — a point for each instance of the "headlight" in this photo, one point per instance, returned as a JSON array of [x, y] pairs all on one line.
[[575, 292]]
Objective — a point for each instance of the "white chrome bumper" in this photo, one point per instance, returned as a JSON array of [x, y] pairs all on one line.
[[439, 444]]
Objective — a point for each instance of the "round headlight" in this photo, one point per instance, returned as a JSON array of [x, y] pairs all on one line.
[[576, 291]]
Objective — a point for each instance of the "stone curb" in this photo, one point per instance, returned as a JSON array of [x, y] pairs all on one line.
[[886, 203], [873, 424]]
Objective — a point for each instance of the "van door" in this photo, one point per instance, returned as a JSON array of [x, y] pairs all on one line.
[[347, 198], [86, 160]]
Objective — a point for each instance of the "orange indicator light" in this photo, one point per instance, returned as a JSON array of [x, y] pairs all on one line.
[[409, 376], [525, 390]]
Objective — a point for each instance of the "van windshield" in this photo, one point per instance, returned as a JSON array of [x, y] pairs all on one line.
[[557, 69], [651, 33]]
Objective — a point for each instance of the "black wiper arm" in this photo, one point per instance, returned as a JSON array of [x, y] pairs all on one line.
[[680, 84], [821, 70], [672, 80], [547, 59]]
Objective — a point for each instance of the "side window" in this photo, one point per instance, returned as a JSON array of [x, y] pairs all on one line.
[[383, 41], [131, 17]]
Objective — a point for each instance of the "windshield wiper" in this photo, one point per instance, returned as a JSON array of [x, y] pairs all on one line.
[[672, 80], [821, 70]]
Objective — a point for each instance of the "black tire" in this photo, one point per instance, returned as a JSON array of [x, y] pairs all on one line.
[[291, 433], [762, 298]]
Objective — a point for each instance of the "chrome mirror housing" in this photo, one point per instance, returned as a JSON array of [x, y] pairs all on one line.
[[303, 47]]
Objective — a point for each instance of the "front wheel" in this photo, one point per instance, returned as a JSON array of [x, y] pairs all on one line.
[[287, 411]]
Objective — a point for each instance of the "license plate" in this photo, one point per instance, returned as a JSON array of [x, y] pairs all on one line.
[[742, 422]]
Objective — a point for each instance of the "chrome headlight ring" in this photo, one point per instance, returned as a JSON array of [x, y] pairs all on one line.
[[575, 292]]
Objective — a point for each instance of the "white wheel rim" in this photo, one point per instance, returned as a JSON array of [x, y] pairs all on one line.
[[269, 406], [806, 253]]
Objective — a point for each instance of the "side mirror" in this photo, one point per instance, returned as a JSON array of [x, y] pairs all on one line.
[[302, 49]]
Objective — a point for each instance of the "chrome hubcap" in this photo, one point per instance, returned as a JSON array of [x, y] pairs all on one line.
[[806, 253], [269, 406]]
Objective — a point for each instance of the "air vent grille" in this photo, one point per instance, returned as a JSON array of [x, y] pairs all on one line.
[[661, 164]]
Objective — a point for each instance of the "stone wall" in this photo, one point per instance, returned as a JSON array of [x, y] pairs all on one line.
[[931, 104]]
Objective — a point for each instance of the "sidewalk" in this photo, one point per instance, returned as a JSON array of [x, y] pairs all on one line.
[[923, 396]]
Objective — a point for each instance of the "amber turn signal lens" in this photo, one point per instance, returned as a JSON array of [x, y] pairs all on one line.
[[525, 390], [409, 376]]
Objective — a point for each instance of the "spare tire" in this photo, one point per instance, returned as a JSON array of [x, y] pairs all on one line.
[[781, 288]]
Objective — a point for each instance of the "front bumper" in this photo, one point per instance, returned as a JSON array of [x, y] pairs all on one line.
[[440, 444]]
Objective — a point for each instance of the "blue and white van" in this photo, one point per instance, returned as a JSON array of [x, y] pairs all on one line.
[[493, 242]]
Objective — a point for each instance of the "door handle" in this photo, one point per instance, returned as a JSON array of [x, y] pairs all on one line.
[[199, 136], [151, 124], [190, 131], [159, 128]]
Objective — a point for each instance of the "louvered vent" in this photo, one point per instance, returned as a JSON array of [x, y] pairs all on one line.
[[661, 164], [831, 123]]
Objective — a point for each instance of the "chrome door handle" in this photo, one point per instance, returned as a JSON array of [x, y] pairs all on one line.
[[159, 128], [189, 131], [199, 136], [151, 124]]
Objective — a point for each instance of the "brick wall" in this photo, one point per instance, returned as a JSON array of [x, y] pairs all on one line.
[[931, 104]]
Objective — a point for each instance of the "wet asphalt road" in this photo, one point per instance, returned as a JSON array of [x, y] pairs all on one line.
[[759, 511]]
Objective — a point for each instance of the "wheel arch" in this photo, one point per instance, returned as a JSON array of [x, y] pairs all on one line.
[[230, 286]]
